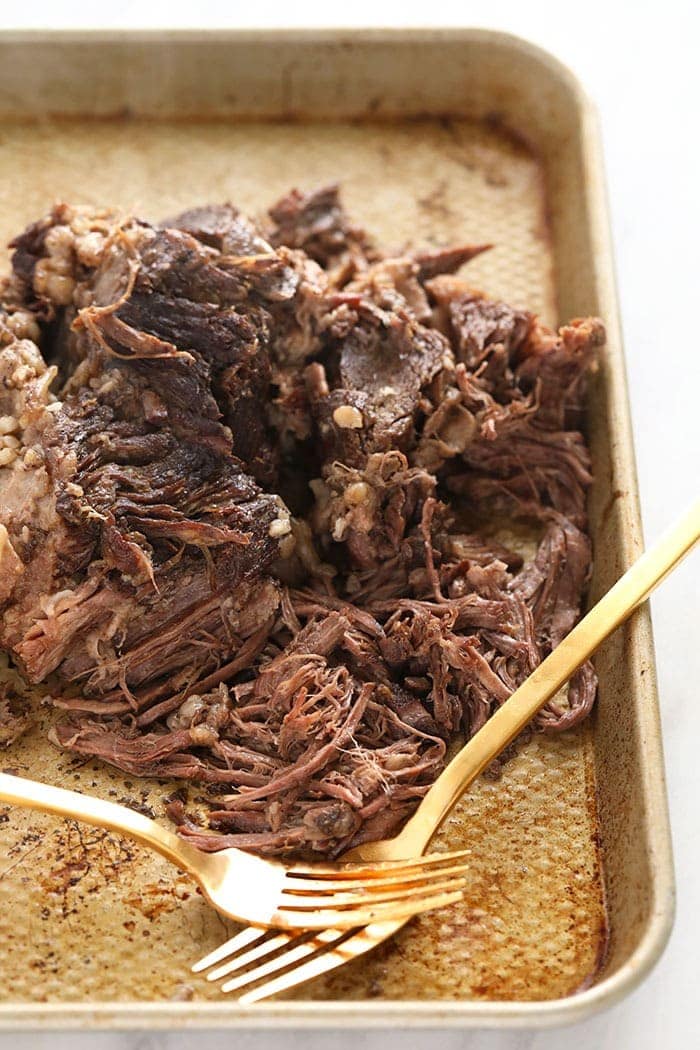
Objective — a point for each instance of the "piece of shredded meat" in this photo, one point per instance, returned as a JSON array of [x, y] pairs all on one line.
[[16, 715], [251, 480]]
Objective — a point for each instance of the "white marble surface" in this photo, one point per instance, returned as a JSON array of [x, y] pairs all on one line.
[[640, 62]]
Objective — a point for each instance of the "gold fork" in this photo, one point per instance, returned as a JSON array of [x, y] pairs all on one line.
[[266, 892], [325, 950]]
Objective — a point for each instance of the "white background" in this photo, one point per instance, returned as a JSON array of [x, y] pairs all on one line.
[[641, 63]]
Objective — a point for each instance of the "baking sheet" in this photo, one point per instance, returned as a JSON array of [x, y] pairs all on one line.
[[96, 921]]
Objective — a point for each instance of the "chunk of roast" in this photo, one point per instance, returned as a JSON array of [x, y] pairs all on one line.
[[138, 542]]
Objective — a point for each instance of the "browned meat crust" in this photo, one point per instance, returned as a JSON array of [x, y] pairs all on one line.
[[306, 666]]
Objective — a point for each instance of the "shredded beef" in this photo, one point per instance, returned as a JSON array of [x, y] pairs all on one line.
[[249, 482]]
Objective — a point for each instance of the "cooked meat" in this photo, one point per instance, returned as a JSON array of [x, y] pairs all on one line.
[[316, 222], [478, 328], [509, 412], [143, 542], [15, 714], [222, 227], [167, 393], [375, 384], [369, 509], [306, 753]]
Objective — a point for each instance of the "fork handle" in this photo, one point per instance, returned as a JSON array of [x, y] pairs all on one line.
[[31, 794], [521, 707]]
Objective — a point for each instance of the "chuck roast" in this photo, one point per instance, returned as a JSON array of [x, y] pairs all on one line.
[[251, 485]]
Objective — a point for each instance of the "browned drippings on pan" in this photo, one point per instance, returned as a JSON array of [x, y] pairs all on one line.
[[87, 917]]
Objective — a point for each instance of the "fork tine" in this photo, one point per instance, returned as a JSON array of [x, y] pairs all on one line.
[[253, 934], [300, 902], [360, 941], [374, 869], [236, 944], [324, 939], [288, 941], [316, 920], [258, 952], [325, 885]]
